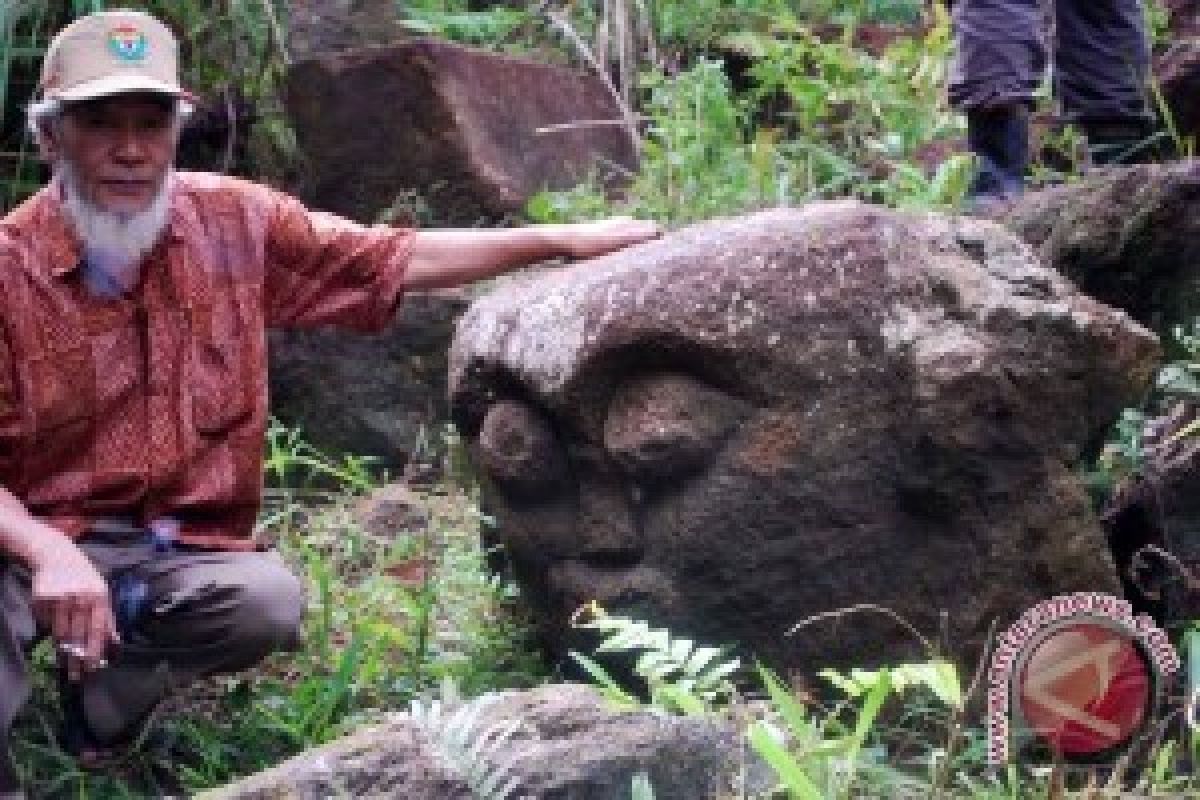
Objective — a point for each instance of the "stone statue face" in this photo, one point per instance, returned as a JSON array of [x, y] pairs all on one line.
[[784, 415], [618, 508]]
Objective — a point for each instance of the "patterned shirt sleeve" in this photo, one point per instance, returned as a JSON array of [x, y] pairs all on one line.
[[322, 269]]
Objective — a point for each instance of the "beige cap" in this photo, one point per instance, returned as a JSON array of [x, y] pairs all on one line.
[[110, 52]]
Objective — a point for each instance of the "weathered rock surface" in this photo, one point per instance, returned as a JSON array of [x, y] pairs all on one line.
[[1160, 506], [457, 126], [368, 395], [392, 511], [1130, 237], [570, 747], [755, 420], [322, 27]]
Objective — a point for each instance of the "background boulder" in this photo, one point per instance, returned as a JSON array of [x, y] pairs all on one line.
[[370, 395], [756, 420], [1130, 237], [447, 132]]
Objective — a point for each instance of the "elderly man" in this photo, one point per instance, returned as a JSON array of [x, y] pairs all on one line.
[[1101, 57], [133, 307]]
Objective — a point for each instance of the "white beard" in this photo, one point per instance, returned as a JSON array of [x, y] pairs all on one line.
[[113, 243]]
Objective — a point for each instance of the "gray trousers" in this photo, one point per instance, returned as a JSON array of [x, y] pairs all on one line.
[[1101, 55], [206, 612]]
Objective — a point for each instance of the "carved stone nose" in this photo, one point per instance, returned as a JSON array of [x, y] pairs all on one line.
[[608, 533]]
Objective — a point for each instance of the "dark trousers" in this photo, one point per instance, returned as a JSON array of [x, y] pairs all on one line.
[[1100, 47], [206, 612]]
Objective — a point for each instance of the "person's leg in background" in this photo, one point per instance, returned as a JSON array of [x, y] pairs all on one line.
[[1102, 58], [1000, 59]]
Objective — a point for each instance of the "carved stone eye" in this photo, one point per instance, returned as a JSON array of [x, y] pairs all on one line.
[[666, 425], [518, 448]]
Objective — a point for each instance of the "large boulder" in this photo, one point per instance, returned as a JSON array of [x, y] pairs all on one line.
[[568, 746], [756, 420], [1130, 237], [370, 395], [445, 132]]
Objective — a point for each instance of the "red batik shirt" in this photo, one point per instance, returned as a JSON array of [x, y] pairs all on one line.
[[154, 403]]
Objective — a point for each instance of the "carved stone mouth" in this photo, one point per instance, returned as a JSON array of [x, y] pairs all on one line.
[[611, 583], [611, 560]]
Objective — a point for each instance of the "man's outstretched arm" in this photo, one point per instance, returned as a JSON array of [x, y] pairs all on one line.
[[452, 257], [321, 269]]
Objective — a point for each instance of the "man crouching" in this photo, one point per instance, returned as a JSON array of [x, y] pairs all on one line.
[[134, 302]]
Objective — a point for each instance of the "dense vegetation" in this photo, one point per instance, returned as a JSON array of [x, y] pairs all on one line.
[[734, 105]]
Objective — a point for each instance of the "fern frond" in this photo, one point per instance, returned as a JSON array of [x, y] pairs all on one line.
[[680, 675], [469, 749]]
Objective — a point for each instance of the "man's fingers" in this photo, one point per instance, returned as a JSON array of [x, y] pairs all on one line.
[[99, 634], [60, 618], [604, 236], [81, 619], [626, 228]]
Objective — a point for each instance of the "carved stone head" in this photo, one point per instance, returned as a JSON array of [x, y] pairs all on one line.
[[756, 420]]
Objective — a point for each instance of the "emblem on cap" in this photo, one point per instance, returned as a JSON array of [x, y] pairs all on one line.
[[128, 44]]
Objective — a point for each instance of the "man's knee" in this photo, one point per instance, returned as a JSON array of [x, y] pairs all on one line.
[[269, 608]]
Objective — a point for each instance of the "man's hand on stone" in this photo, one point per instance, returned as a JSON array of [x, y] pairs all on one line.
[[71, 599], [590, 239]]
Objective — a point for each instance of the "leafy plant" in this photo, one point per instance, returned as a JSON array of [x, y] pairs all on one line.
[[813, 755], [640, 787], [680, 675], [235, 55], [816, 757], [292, 461], [455, 21], [470, 749], [821, 119]]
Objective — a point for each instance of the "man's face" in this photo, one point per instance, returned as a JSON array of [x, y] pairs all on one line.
[[121, 149]]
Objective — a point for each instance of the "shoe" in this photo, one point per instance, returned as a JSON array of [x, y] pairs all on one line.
[[1127, 141], [78, 739], [999, 139]]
